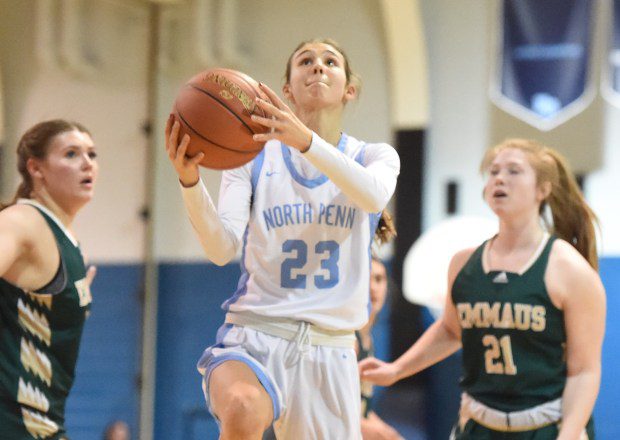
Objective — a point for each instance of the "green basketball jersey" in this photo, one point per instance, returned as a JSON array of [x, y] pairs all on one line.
[[513, 336], [39, 341]]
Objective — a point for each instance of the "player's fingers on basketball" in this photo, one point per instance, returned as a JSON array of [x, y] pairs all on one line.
[[168, 134], [172, 141], [270, 109], [264, 137], [273, 97], [194, 161], [262, 121], [267, 122], [182, 150], [169, 123]]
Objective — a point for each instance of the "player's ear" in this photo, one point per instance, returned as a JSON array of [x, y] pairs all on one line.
[[544, 190], [33, 166], [350, 93], [286, 90]]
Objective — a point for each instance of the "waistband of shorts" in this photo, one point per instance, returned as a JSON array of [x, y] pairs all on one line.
[[289, 329], [515, 421]]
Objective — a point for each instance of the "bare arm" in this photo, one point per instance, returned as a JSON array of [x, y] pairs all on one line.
[[579, 290], [13, 240], [29, 255], [439, 341]]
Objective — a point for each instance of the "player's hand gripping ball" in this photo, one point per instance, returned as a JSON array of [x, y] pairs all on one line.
[[215, 108]]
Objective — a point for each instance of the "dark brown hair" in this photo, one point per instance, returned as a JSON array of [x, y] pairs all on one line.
[[35, 143], [573, 219], [385, 229]]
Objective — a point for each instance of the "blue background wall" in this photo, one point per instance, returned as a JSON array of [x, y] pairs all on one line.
[[189, 316]]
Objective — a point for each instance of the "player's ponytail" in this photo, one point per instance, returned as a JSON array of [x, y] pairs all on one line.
[[573, 219], [385, 229]]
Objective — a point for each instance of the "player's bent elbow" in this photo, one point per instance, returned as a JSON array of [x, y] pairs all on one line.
[[221, 258], [373, 205], [591, 367], [219, 261], [450, 332]]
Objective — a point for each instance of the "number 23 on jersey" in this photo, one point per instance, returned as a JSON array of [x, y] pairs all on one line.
[[297, 259]]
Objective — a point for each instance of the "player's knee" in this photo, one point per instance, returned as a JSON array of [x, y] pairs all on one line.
[[244, 412]]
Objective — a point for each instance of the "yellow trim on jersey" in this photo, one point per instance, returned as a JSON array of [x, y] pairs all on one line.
[[35, 322], [35, 361], [28, 394], [38, 425]]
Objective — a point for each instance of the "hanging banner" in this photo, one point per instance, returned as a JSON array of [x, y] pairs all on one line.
[[542, 69], [611, 72]]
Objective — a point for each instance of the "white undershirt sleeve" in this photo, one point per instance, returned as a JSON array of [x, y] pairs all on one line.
[[220, 231], [370, 186]]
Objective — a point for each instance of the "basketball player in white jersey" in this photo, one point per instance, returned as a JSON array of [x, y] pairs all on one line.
[[304, 213]]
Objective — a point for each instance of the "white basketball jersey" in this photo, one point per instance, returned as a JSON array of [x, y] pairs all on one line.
[[306, 249]]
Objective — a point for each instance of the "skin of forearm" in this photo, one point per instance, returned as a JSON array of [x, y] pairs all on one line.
[[436, 344], [577, 402]]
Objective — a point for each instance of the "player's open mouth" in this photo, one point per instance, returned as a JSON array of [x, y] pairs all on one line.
[[499, 193]]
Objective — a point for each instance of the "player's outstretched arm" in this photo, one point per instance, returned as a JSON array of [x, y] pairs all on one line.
[[439, 341]]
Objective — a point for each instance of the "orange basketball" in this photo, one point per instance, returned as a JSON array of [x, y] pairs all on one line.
[[214, 108]]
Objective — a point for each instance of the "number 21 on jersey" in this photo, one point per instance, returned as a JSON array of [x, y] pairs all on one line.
[[298, 249], [498, 355]]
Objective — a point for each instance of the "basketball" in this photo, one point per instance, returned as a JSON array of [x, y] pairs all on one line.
[[215, 107]]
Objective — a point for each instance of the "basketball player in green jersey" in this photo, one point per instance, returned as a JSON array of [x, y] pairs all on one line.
[[527, 307], [44, 285]]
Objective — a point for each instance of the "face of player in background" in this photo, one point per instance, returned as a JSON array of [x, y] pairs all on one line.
[[118, 431], [511, 189], [378, 287], [318, 78], [69, 171]]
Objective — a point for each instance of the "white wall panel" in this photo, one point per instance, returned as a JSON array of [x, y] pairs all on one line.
[[109, 99]]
